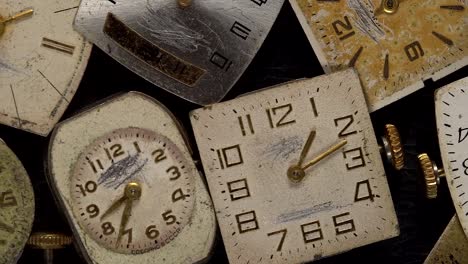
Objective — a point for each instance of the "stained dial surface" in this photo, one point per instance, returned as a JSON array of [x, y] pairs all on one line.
[[42, 60], [452, 124], [160, 177], [248, 147], [393, 44], [16, 206]]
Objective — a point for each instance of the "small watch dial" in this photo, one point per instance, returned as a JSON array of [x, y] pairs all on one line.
[[132, 157]]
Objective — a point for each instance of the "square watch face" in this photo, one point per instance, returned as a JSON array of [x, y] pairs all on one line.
[[295, 172]]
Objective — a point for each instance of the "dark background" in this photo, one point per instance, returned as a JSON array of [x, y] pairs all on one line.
[[285, 55]]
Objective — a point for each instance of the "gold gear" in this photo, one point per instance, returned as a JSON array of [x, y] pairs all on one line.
[[430, 176], [49, 240], [396, 149]]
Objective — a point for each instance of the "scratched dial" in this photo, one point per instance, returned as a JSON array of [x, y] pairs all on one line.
[[42, 60], [452, 123], [276, 199], [132, 157], [393, 44], [16, 206]]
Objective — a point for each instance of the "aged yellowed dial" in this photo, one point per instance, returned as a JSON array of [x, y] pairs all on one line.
[[124, 176], [42, 60], [294, 171], [393, 44], [16, 206], [131, 190]]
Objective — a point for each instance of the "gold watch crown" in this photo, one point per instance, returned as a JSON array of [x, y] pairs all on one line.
[[393, 147], [49, 240], [431, 175]]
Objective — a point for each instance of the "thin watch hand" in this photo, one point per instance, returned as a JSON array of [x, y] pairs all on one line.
[[325, 154], [114, 206], [125, 217], [306, 147], [21, 14]]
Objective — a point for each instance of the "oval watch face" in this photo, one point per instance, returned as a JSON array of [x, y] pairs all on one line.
[[16, 206], [131, 191], [452, 125], [393, 44], [42, 60]]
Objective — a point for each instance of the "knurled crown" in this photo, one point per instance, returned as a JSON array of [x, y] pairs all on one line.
[[394, 141], [430, 176], [49, 240]]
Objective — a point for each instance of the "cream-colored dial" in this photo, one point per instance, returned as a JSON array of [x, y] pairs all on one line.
[[42, 60], [393, 44], [294, 171], [452, 127], [125, 179], [163, 188], [16, 206]]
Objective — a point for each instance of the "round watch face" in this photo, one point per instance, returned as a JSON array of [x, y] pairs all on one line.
[[132, 191], [452, 125], [393, 44], [42, 60], [16, 206]]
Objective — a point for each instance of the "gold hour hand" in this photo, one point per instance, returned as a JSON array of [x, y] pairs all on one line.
[[114, 207], [306, 147], [27, 12]]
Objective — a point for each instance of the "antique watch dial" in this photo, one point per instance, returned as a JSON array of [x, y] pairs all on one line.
[[294, 171], [16, 206], [452, 246], [393, 44], [42, 60], [123, 174], [103, 174], [194, 49], [452, 125]]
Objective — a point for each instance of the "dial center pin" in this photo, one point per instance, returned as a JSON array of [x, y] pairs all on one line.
[[184, 3], [133, 191]]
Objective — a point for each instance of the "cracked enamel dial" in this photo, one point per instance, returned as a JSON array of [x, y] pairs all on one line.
[[452, 126], [103, 173], [16, 206], [393, 44], [295, 172], [42, 60]]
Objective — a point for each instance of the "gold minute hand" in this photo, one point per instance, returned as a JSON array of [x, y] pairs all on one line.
[[21, 14], [325, 154], [125, 217]]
